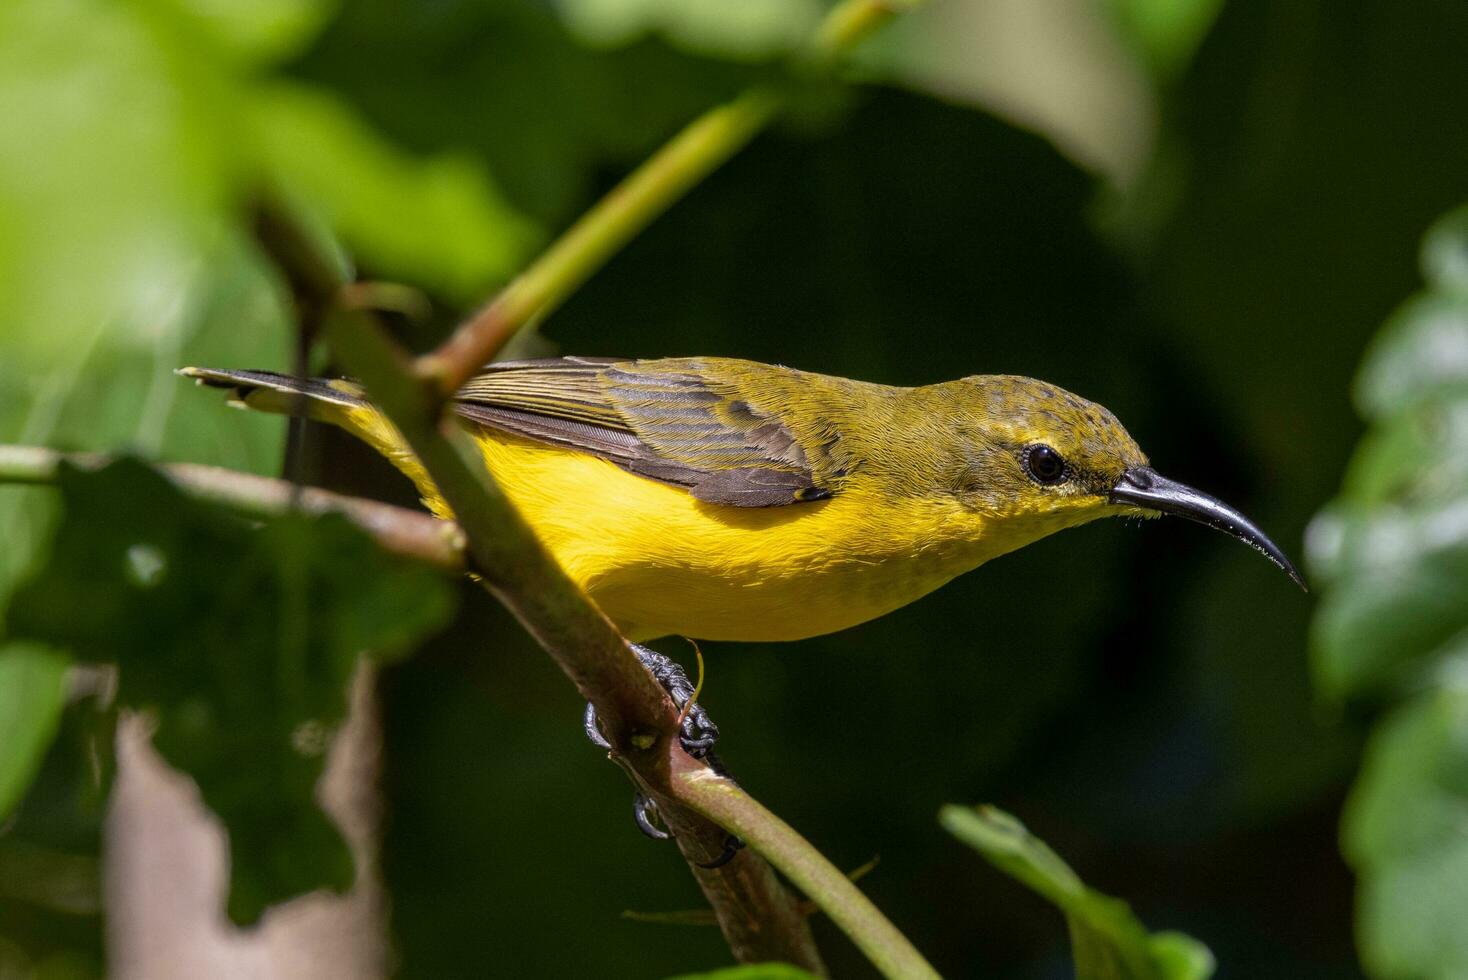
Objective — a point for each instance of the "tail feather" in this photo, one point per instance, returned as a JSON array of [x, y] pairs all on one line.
[[266, 391], [338, 402]]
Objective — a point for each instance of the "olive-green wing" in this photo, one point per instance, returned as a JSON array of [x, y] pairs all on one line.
[[666, 420]]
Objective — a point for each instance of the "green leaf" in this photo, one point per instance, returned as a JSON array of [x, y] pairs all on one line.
[[746, 30], [1421, 353], [50, 869], [462, 74], [1166, 32], [125, 250], [1412, 458], [1404, 833], [107, 213], [757, 971], [32, 692], [259, 31], [1392, 550], [1445, 252], [438, 223], [1397, 593], [1109, 942], [1393, 624], [241, 640]]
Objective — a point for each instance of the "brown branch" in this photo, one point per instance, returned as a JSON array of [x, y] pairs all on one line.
[[409, 533], [759, 918]]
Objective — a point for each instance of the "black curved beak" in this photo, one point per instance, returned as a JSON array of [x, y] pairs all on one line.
[[1141, 486]]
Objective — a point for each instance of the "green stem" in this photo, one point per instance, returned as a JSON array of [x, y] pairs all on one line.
[[404, 532], [823, 883], [852, 22], [635, 203], [757, 915]]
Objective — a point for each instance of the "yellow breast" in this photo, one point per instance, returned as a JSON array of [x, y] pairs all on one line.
[[659, 562]]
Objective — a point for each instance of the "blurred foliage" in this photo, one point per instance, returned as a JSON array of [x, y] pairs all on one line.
[[1165, 32], [1107, 941], [50, 868], [1393, 549], [1139, 695], [133, 135], [31, 694], [239, 640], [506, 82], [753, 29]]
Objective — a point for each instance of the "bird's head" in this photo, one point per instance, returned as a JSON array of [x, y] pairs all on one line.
[[1042, 458]]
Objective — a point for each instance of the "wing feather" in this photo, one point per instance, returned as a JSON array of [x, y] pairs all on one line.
[[664, 420]]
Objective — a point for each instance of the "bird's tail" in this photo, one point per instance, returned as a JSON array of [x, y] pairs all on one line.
[[339, 402], [323, 399]]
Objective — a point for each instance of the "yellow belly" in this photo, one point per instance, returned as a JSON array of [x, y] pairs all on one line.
[[659, 562]]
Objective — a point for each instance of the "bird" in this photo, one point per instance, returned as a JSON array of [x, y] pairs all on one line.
[[723, 499]]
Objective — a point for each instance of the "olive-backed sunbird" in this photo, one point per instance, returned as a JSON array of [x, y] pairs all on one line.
[[723, 499]]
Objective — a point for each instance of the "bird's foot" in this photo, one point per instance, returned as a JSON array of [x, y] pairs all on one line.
[[697, 732], [645, 814], [697, 735]]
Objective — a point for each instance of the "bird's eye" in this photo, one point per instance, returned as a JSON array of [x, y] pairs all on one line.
[[1044, 464]]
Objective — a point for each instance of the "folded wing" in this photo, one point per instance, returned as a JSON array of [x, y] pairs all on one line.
[[668, 420]]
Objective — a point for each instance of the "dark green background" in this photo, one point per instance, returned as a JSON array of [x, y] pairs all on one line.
[[1139, 695]]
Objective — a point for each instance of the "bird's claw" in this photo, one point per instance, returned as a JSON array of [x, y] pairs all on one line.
[[697, 735], [697, 732], [645, 813], [732, 846]]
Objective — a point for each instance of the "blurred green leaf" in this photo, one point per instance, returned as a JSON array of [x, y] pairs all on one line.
[[507, 81], [1165, 32], [134, 134], [131, 139], [1108, 941], [1445, 252], [437, 223], [32, 691], [1404, 833], [241, 640], [757, 971], [1393, 547], [1397, 592], [1418, 456], [115, 164], [1420, 353], [50, 870], [260, 30], [749, 29], [1394, 623]]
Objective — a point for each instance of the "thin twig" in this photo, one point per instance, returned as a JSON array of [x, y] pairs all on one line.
[[641, 197], [836, 893], [760, 919], [409, 533]]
